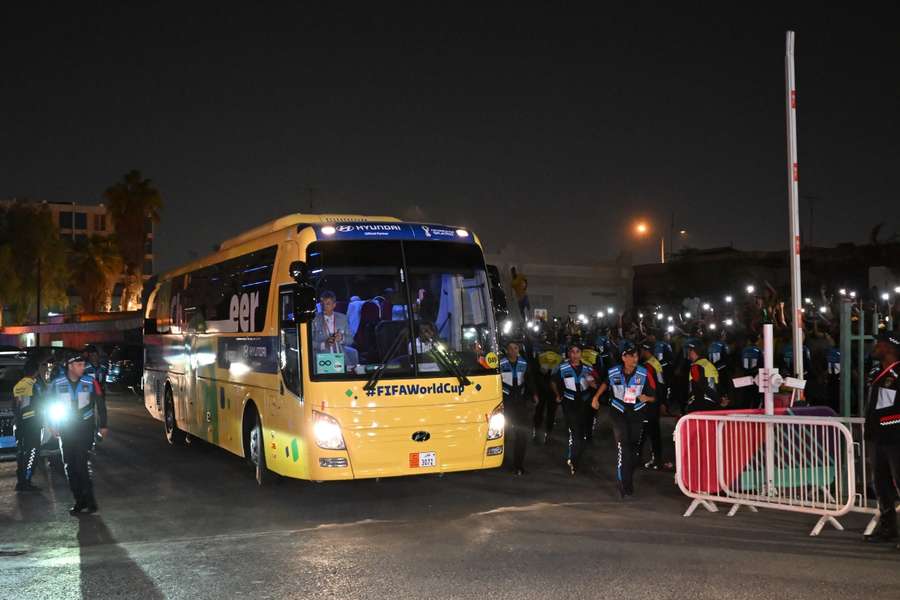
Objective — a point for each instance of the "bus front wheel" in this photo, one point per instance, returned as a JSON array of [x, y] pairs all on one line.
[[174, 436], [256, 450]]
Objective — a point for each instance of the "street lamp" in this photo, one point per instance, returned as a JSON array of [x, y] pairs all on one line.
[[641, 228]]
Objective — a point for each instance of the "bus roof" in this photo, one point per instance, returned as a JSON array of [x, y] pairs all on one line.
[[298, 219]]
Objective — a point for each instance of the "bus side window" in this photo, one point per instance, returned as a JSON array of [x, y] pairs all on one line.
[[289, 342]]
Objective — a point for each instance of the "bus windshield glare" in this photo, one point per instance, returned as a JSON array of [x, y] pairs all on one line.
[[417, 308]]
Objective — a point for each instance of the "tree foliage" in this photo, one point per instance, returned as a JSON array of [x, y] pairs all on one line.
[[30, 241], [132, 202], [96, 266]]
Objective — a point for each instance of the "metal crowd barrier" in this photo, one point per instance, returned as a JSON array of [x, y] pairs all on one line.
[[782, 462]]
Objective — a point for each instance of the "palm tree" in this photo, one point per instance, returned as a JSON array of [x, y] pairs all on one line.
[[98, 264], [133, 202]]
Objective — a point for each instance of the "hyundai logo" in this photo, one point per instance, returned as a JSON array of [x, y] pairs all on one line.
[[421, 436]]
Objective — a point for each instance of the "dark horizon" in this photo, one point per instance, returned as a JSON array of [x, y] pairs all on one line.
[[570, 126]]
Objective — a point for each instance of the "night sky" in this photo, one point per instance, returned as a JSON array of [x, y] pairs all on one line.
[[541, 127]]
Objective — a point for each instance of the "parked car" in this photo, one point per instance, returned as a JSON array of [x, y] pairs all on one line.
[[11, 369], [126, 367]]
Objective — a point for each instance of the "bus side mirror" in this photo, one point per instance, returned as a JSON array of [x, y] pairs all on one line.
[[304, 303], [299, 271]]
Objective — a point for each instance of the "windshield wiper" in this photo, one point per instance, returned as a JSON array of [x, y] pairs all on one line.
[[448, 363], [388, 357]]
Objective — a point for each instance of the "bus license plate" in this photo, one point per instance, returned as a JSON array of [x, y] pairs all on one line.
[[422, 459]]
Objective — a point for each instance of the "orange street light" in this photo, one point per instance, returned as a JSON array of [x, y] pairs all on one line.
[[641, 228]]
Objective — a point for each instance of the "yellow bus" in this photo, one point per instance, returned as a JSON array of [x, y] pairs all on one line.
[[327, 347]]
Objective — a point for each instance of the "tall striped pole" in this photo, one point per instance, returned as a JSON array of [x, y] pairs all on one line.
[[793, 198]]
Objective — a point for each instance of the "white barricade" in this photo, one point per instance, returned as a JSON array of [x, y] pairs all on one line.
[[800, 464]]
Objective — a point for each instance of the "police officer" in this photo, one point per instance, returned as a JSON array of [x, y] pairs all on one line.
[[632, 389], [703, 385], [81, 398], [573, 383], [662, 350], [545, 411], [93, 367], [28, 397], [883, 431], [833, 378], [651, 429], [519, 400], [751, 357]]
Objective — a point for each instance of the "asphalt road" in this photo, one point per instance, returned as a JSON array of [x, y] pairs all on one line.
[[191, 523]]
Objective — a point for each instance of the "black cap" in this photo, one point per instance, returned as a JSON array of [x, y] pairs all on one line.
[[695, 346], [628, 347], [646, 345], [890, 337], [73, 357]]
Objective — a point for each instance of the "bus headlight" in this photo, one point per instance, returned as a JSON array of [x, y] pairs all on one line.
[[328, 432], [57, 412], [496, 423]]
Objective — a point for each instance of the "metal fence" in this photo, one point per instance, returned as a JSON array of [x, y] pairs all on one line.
[[782, 462]]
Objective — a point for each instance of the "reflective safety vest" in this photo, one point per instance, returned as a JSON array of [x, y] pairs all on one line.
[[78, 395], [717, 352], [710, 372], [626, 390], [833, 358], [750, 357], [788, 358], [662, 350], [549, 360], [25, 393], [657, 369], [573, 383], [513, 375]]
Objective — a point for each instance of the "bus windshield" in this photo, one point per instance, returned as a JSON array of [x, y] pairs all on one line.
[[419, 308]]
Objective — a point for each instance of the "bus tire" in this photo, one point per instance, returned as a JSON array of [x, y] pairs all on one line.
[[256, 453], [174, 435]]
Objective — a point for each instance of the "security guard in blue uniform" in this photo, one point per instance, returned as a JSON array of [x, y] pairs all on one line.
[[651, 428], [883, 431], [94, 367], [80, 403], [833, 378], [519, 400], [574, 382], [631, 390], [28, 396], [751, 359]]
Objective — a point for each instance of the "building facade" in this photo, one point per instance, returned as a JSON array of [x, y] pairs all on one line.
[[562, 290]]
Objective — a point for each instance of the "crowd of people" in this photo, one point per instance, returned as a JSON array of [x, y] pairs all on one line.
[[634, 367]]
